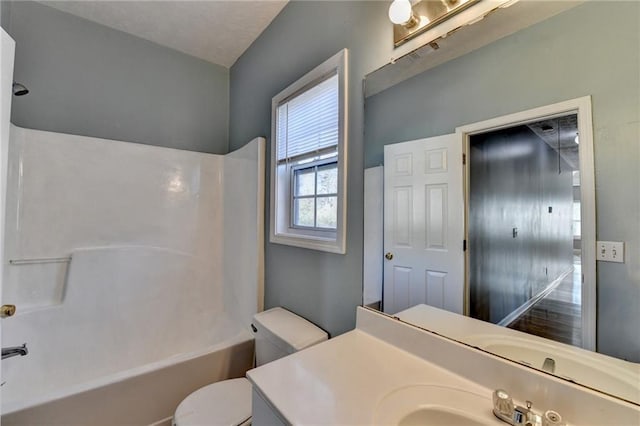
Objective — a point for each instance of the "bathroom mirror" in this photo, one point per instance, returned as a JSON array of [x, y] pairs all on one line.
[[575, 54]]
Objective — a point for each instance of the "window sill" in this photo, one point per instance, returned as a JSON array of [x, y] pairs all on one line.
[[329, 245]]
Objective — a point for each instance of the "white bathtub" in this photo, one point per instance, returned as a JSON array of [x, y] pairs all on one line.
[[144, 395], [138, 330]]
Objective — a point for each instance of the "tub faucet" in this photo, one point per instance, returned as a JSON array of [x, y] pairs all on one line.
[[15, 351], [549, 365]]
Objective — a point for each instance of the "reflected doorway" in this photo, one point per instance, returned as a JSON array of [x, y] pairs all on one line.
[[524, 228]]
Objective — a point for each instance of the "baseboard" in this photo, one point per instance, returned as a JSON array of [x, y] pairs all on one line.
[[163, 422], [520, 310], [374, 305]]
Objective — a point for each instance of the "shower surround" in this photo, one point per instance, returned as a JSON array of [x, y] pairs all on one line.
[[126, 261]]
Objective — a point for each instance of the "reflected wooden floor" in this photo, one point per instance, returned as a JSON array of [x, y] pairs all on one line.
[[558, 316]]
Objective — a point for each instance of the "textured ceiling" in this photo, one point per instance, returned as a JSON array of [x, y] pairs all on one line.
[[216, 31], [560, 134]]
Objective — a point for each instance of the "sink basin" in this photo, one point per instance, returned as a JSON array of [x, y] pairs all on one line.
[[439, 416], [422, 404]]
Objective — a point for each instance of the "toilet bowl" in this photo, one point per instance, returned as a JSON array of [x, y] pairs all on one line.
[[278, 333], [222, 403]]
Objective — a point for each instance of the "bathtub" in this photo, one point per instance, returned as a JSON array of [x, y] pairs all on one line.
[[146, 395], [138, 329]]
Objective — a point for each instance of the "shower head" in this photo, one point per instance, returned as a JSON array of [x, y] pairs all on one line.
[[19, 89]]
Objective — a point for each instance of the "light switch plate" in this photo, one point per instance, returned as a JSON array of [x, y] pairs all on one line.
[[610, 251]]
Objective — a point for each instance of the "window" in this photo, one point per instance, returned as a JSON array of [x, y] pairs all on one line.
[[315, 195], [308, 159]]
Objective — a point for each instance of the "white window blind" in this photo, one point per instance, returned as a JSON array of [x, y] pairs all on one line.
[[308, 122]]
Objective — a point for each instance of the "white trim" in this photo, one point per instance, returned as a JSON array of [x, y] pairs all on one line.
[[506, 321], [262, 144], [332, 244], [581, 106], [163, 422]]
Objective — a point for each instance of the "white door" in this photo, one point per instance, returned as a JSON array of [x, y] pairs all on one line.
[[6, 80], [423, 224]]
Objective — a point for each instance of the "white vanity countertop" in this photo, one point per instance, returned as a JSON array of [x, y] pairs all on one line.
[[342, 380]]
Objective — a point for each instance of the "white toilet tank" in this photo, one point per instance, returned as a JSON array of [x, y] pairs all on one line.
[[279, 333]]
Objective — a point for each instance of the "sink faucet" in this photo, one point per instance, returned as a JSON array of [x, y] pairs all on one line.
[[549, 365], [516, 415], [15, 351]]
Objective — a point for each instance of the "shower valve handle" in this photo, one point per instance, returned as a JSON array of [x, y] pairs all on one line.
[[7, 311]]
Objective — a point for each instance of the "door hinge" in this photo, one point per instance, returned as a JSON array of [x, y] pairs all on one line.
[[464, 245], [464, 159]]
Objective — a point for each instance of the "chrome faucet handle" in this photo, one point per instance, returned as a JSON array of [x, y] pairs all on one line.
[[552, 418], [503, 406]]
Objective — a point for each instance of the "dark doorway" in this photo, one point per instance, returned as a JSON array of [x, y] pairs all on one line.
[[524, 228]]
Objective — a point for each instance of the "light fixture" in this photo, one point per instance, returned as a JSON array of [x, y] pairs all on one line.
[[411, 18], [401, 13], [577, 139]]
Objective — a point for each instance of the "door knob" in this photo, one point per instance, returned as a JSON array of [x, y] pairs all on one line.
[[7, 311], [388, 256]]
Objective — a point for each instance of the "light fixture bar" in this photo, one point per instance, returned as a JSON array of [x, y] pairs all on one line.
[[426, 14]]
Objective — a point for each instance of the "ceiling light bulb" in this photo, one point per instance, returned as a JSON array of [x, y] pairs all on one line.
[[400, 12]]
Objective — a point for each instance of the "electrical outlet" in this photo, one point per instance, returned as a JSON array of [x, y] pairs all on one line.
[[610, 251]]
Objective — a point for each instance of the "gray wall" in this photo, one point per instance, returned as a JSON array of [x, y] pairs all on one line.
[[513, 180], [88, 79], [593, 49], [323, 287]]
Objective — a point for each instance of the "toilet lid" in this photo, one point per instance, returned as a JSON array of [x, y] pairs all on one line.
[[222, 403]]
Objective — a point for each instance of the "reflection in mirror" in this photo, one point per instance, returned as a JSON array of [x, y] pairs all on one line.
[[420, 15], [529, 277], [612, 376], [524, 228]]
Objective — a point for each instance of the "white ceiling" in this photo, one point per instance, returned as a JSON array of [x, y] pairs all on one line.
[[216, 31]]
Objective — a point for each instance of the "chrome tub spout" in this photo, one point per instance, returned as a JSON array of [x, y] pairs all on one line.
[[15, 351]]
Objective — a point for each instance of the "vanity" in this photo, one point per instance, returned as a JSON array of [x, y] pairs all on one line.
[[386, 371]]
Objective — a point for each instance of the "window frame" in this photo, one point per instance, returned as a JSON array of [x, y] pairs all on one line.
[[281, 196]]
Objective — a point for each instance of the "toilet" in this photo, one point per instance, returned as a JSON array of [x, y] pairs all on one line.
[[278, 333]]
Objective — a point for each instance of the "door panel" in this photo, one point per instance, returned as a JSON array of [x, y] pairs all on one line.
[[423, 224], [435, 287], [436, 223], [402, 287], [403, 207]]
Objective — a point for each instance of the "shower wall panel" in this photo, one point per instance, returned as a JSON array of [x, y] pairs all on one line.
[[125, 257], [70, 192], [243, 234]]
